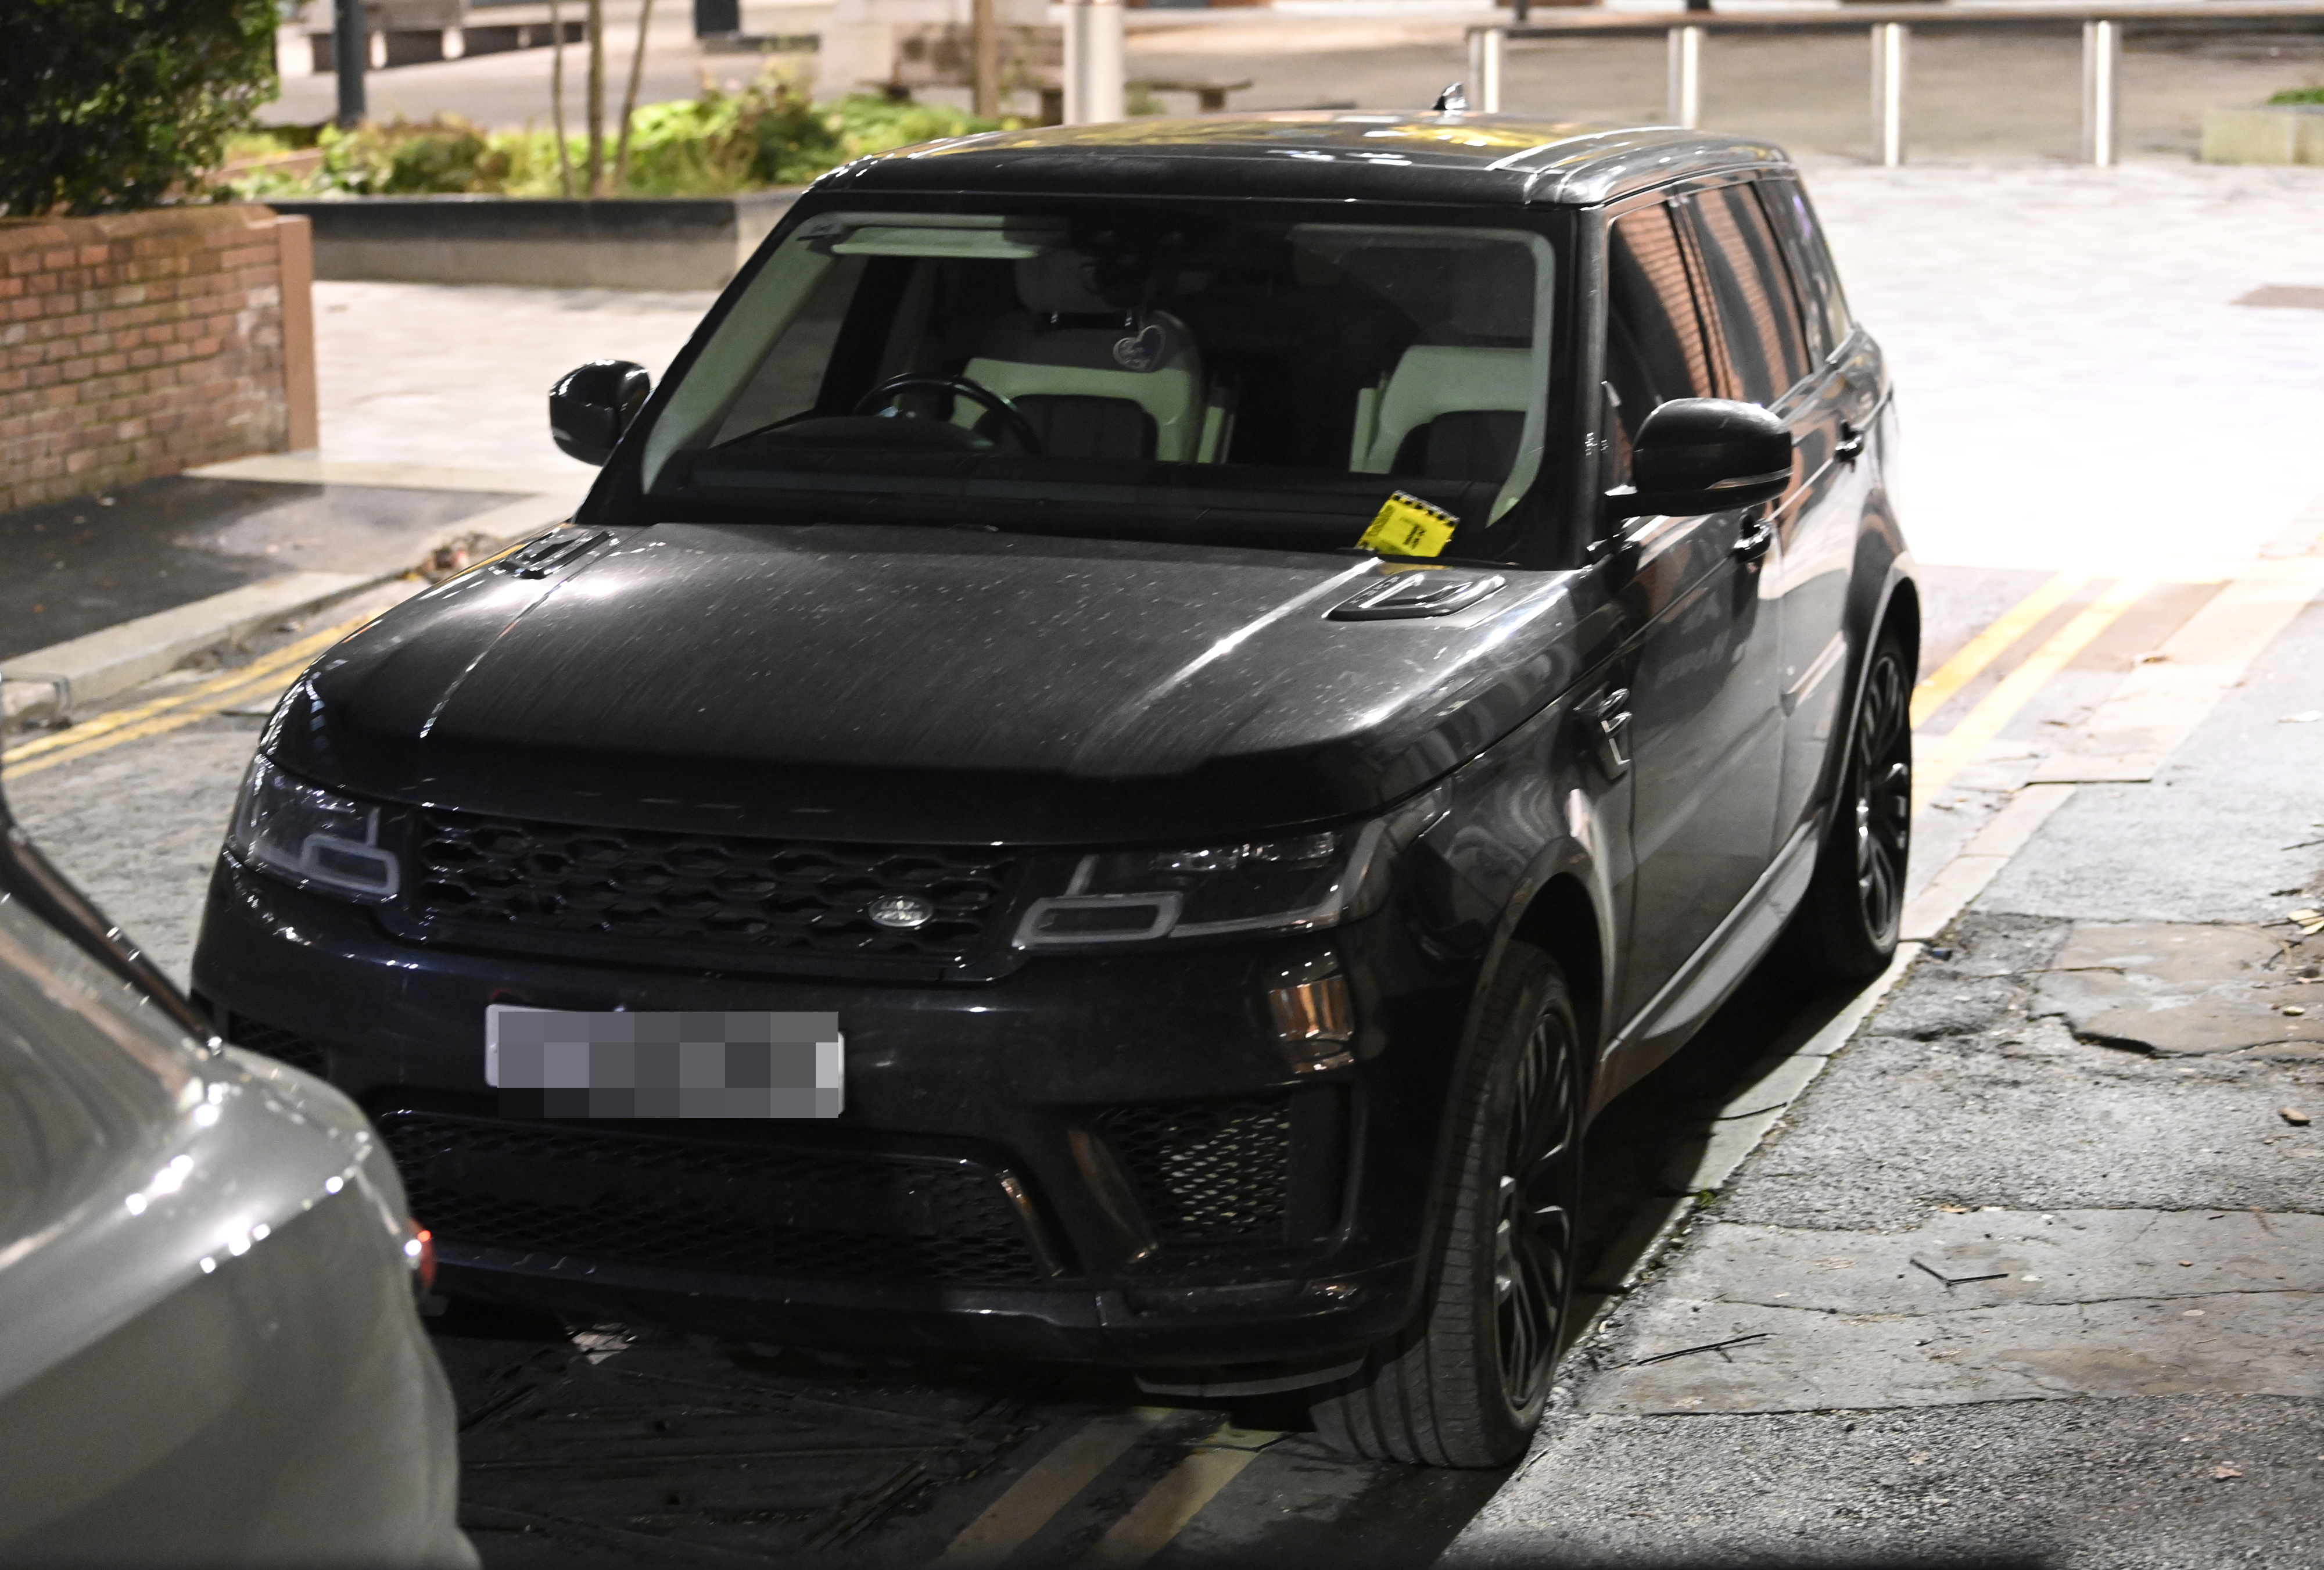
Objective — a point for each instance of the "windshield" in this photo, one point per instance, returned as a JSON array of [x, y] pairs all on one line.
[[1120, 370]]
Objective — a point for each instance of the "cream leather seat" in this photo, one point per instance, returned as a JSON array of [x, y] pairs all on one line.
[[1070, 385], [1445, 413], [1089, 383]]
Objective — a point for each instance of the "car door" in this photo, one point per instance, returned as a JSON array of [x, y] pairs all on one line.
[[1774, 361], [1703, 705]]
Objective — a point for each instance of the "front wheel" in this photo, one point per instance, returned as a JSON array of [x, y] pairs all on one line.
[[1466, 1385], [1847, 928]]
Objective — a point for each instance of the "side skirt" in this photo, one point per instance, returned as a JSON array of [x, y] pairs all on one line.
[[1714, 970]]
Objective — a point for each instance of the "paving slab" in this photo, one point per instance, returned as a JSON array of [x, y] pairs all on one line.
[[2178, 988], [2064, 1485], [1980, 1305]]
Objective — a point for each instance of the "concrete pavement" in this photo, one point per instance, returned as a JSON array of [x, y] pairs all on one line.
[[2031, 1268]]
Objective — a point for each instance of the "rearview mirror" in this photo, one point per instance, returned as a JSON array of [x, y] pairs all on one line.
[[1704, 455], [588, 409]]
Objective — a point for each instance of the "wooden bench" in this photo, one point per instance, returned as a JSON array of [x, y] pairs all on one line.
[[943, 54]]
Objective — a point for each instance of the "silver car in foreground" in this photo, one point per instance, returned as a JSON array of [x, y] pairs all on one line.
[[210, 1350]]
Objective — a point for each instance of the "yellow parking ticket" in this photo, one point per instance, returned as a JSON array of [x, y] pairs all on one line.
[[1408, 526]]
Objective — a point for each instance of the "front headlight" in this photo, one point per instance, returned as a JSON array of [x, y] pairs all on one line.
[[1285, 885], [314, 838]]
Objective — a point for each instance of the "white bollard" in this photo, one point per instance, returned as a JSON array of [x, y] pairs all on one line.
[[2102, 93], [1685, 104], [1890, 41], [1485, 73], [1093, 61]]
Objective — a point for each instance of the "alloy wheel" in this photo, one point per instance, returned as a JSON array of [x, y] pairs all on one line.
[[1882, 797], [1533, 1233]]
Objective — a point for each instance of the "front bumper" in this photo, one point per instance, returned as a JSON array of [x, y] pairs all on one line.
[[1097, 1158]]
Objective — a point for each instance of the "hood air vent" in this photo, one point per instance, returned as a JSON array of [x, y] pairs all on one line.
[[1411, 595]]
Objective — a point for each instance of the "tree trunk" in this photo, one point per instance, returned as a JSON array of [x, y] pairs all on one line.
[[630, 98], [985, 45], [557, 95], [596, 97]]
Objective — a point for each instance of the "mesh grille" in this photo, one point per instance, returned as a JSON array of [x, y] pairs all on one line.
[[627, 1199], [275, 1041], [1207, 1171], [699, 891]]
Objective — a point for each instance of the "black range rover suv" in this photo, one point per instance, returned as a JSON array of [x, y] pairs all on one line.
[[1182, 701]]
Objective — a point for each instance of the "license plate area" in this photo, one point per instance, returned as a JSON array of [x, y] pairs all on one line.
[[644, 1064]]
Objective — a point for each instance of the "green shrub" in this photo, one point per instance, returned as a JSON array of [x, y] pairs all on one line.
[[438, 157], [757, 138], [110, 104], [2299, 95]]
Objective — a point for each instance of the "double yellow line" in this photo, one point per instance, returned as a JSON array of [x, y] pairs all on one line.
[[1946, 755], [159, 716], [1140, 1532]]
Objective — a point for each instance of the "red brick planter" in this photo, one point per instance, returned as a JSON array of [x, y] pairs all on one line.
[[142, 343]]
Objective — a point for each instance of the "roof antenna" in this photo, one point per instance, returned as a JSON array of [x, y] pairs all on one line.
[[1454, 100]]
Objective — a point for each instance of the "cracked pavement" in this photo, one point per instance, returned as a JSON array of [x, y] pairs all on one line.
[[2034, 1271]]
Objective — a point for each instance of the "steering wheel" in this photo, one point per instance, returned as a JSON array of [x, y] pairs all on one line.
[[1012, 418]]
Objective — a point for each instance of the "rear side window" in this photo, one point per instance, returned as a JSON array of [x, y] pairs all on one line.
[[1786, 206], [1765, 336], [1658, 346]]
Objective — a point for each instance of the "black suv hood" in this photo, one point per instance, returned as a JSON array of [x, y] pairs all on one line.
[[900, 684]]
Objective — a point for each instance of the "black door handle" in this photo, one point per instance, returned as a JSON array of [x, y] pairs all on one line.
[[1753, 542], [1851, 443]]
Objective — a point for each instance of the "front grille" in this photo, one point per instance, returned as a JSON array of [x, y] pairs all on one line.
[[698, 892], [1207, 1171], [275, 1041], [633, 1199]]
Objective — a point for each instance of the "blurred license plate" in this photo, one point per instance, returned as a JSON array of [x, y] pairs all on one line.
[[580, 1064]]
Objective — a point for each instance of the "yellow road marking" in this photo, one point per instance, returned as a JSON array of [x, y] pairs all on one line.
[[1988, 645], [1046, 1488], [1149, 1524], [159, 716], [1948, 754]]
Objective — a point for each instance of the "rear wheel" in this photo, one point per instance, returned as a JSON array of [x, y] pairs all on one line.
[[1466, 1386], [1847, 926]]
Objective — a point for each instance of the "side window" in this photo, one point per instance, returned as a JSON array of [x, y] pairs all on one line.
[[1766, 338], [1658, 347], [1829, 323]]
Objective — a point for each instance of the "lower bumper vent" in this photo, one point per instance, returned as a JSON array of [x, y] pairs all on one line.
[[1208, 1171], [275, 1041], [640, 1200]]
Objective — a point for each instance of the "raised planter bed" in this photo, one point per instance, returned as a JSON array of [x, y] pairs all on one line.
[[2270, 133], [614, 242]]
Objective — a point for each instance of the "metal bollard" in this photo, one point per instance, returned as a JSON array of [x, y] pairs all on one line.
[[1093, 70], [1488, 48], [1890, 41], [2102, 93], [1685, 101], [350, 55]]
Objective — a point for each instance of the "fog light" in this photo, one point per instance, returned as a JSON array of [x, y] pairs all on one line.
[[419, 1254], [1313, 1019]]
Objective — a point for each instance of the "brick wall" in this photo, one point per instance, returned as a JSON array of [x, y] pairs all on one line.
[[141, 344]]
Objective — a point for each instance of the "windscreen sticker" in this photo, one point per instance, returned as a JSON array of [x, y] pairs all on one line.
[[1407, 526]]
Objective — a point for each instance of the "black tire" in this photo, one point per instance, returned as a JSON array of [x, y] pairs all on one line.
[[1846, 929], [1467, 1384]]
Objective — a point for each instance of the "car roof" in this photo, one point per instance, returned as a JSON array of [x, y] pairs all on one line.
[[1346, 155]]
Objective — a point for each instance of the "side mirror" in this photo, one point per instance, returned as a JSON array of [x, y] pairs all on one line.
[[588, 409], [1704, 455]]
